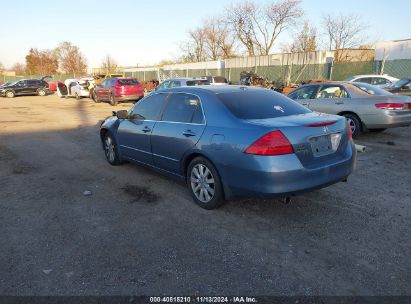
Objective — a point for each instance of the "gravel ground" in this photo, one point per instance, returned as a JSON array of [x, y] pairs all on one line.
[[140, 233]]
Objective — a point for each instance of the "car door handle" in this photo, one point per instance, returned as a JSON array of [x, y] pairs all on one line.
[[305, 104], [339, 102], [146, 129], [189, 133]]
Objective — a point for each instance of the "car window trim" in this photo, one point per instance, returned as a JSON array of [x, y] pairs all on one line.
[[186, 123]]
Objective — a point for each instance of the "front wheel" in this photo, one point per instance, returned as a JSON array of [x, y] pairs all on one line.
[[355, 124], [41, 92], [113, 100], [10, 94], [95, 97], [204, 184], [110, 150]]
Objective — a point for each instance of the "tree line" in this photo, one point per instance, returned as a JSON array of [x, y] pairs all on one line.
[[253, 28]]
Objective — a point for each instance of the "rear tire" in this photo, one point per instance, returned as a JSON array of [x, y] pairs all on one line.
[[113, 100], [41, 92], [77, 96], [354, 123], [204, 184], [10, 94]]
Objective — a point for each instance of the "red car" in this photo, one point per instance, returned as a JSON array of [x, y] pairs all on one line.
[[119, 89]]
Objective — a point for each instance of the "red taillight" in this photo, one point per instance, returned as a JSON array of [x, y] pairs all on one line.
[[321, 124], [349, 132], [409, 106], [273, 143], [390, 106]]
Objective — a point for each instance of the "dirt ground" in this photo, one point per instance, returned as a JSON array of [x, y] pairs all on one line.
[[139, 232]]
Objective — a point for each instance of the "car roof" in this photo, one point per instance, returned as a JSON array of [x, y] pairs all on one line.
[[374, 75], [214, 89]]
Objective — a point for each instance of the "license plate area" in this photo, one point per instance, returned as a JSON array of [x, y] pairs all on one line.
[[325, 144]]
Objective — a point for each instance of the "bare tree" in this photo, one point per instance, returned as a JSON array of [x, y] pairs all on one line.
[[41, 62], [109, 65], [219, 42], [19, 68], [306, 39], [239, 18], [343, 32], [1, 68], [258, 27], [71, 61]]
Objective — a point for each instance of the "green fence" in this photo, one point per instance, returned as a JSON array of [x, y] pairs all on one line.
[[400, 68], [343, 70]]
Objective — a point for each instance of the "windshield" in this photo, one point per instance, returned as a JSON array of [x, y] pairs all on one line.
[[220, 79], [197, 82], [401, 82], [370, 89]]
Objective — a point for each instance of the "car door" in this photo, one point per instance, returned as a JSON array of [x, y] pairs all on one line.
[[330, 99], [134, 133], [304, 95], [178, 131], [22, 88]]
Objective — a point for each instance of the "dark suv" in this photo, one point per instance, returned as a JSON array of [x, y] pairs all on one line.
[[25, 87]]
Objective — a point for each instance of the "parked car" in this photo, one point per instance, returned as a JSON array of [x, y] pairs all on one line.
[[364, 111], [181, 82], [401, 87], [77, 88], [115, 90], [98, 79], [25, 87], [231, 141], [214, 80], [382, 81]]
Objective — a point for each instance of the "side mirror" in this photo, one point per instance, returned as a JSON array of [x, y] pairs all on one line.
[[122, 114]]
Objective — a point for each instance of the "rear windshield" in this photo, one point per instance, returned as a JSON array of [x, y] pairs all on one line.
[[260, 104], [220, 79], [197, 82], [128, 81]]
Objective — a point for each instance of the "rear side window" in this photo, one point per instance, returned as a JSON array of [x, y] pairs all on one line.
[[260, 104], [128, 81], [149, 108], [185, 108]]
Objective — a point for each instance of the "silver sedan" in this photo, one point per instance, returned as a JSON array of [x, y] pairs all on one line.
[[366, 107]]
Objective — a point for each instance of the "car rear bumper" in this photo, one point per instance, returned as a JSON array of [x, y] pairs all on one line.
[[387, 119], [129, 97], [285, 176]]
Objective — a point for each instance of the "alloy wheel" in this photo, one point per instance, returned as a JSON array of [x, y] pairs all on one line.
[[202, 183], [109, 149], [352, 124]]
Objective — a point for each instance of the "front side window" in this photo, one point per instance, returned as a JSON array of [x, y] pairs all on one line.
[[332, 92], [149, 108], [303, 93], [184, 108]]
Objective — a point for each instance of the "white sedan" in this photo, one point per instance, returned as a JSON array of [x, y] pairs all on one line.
[[381, 81], [77, 88]]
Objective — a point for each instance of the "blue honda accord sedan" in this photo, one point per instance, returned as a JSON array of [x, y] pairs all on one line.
[[232, 141]]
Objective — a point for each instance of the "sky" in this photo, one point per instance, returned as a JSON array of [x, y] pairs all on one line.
[[141, 33]]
